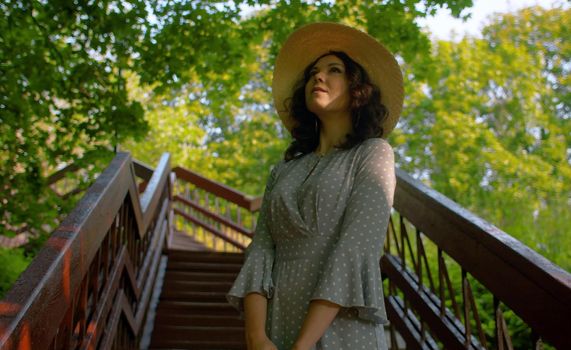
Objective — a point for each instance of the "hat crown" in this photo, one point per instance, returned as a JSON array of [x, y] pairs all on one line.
[[311, 41]]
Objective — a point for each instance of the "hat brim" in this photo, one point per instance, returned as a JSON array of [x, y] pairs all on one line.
[[309, 42]]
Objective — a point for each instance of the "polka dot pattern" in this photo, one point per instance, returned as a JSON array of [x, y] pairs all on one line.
[[320, 235]]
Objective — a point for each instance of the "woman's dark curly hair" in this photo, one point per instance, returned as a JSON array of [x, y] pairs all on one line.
[[367, 111]]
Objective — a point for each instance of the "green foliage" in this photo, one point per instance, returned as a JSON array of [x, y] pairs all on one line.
[[12, 263], [66, 68], [79, 78], [62, 96], [220, 121]]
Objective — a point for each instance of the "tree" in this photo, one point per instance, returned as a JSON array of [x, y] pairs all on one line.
[[492, 130], [80, 78], [230, 151], [63, 95]]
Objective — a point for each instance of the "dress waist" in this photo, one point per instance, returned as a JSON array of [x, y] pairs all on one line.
[[307, 248]]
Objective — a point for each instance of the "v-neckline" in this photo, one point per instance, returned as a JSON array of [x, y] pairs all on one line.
[[330, 152]]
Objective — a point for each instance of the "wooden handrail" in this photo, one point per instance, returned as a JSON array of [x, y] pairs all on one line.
[[143, 170], [60, 174], [85, 259], [150, 199], [413, 198], [212, 230], [214, 216], [201, 211], [537, 290], [218, 189]]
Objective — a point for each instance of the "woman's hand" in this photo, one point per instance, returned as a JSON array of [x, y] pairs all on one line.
[[297, 346], [255, 310], [260, 343], [319, 316]]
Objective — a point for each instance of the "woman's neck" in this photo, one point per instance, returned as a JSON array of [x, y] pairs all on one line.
[[333, 132]]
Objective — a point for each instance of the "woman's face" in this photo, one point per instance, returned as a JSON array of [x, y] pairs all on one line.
[[327, 90]]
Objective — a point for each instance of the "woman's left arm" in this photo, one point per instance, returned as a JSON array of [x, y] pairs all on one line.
[[319, 316]]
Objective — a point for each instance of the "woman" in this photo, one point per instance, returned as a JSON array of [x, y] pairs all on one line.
[[311, 277]]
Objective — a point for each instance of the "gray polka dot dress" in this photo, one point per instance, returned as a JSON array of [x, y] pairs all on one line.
[[320, 235]]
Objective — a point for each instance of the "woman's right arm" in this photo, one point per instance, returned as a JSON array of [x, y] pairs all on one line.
[[253, 286], [255, 311]]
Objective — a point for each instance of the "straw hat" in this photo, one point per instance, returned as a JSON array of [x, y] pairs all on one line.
[[309, 42]]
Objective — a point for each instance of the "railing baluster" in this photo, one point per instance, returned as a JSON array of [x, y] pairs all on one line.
[[418, 266], [402, 232], [497, 324], [441, 295], [474, 307], [467, 327]]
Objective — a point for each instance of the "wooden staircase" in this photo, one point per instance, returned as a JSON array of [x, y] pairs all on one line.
[[115, 268], [192, 312]]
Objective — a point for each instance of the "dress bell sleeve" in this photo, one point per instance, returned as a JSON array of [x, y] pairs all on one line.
[[256, 273], [351, 276]]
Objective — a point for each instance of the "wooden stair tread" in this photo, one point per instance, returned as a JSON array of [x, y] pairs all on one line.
[[183, 241], [198, 286], [200, 276], [182, 306], [194, 333], [200, 345], [199, 266], [200, 320], [194, 296], [185, 254]]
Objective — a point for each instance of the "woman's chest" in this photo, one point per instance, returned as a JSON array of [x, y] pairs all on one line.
[[312, 192]]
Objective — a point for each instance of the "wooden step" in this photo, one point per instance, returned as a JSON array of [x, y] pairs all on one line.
[[197, 286], [174, 275], [203, 267], [186, 307], [207, 297], [219, 257], [183, 241], [185, 333], [202, 345], [199, 338], [202, 321]]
